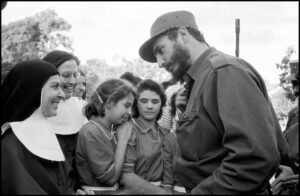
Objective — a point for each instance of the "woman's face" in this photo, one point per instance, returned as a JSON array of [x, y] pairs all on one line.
[[80, 87], [51, 96], [149, 104], [68, 75], [118, 112]]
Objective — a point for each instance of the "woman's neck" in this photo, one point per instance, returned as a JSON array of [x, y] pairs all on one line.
[[147, 123], [105, 122]]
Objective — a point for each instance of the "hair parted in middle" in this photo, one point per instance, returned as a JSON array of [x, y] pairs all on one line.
[[151, 85], [111, 90]]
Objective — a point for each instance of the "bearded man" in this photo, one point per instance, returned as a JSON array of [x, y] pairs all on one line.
[[230, 141]]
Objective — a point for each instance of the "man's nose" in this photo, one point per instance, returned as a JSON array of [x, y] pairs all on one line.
[[160, 61]]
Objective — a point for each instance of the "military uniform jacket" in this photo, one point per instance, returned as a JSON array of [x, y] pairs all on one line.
[[229, 136]]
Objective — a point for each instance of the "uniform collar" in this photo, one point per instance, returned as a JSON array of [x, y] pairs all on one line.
[[142, 126], [197, 67], [108, 132]]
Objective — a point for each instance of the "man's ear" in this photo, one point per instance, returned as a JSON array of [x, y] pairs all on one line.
[[184, 35]]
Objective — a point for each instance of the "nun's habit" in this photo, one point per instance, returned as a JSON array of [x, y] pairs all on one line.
[[32, 161]]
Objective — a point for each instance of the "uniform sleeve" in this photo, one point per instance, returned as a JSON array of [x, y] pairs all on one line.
[[130, 156], [168, 157], [100, 156], [249, 134]]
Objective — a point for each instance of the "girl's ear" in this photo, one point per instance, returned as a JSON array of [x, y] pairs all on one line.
[[109, 104]]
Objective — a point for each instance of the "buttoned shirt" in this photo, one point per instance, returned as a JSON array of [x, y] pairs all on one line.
[[229, 136], [95, 153], [144, 152]]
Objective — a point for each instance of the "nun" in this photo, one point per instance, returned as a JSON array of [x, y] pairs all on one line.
[[32, 161]]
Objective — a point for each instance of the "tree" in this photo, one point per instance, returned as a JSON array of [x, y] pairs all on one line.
[[284, 67], [281, 97], [33, 37], [99, 70]]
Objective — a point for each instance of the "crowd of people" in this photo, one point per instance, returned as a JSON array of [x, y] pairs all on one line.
[[211, 129]]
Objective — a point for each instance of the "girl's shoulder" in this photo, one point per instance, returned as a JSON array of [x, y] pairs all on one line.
[[88, 127], [135, 126]]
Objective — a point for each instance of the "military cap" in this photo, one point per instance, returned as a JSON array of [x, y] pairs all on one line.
[[163, 24]]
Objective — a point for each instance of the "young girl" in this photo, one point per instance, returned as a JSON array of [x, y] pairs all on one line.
[[143, 165], [170, 152], [99, 155]]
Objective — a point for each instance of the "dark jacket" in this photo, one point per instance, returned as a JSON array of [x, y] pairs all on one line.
[[229, 136]]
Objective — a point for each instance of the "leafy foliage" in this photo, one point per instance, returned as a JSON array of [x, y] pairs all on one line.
[[33, 37], [99, 70], [284, 67], [282, 105], [282, 97]]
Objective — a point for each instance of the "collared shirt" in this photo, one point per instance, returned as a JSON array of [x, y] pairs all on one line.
[[95, 153], [167, 121], [144, 152], [229, 135]]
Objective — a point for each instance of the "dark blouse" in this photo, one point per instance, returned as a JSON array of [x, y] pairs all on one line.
[[68, 145]]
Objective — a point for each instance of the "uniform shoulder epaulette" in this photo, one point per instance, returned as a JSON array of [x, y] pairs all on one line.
[[219, 61]]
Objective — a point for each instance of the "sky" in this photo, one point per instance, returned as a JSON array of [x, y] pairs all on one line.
[[109, 29]]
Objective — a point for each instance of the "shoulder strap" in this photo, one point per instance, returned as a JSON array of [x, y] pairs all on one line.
[[222, 60]]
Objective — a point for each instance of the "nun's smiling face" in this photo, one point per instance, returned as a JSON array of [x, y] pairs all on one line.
[[68, 74], [51, 96]]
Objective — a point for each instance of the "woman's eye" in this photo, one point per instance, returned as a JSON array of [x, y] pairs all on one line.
[[155, 101], [56, 86], [66, 75], [143, 100]]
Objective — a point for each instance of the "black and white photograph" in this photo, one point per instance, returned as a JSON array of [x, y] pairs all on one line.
[[149, 97]]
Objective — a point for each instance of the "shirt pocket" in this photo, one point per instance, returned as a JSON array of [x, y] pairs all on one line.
[[187, 136]]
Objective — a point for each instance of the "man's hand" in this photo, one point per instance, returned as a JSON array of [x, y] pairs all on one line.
[[290, 181], [180, 100], [277, 184]]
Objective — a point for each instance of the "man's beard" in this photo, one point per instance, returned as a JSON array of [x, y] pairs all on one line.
[[180, 56]]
